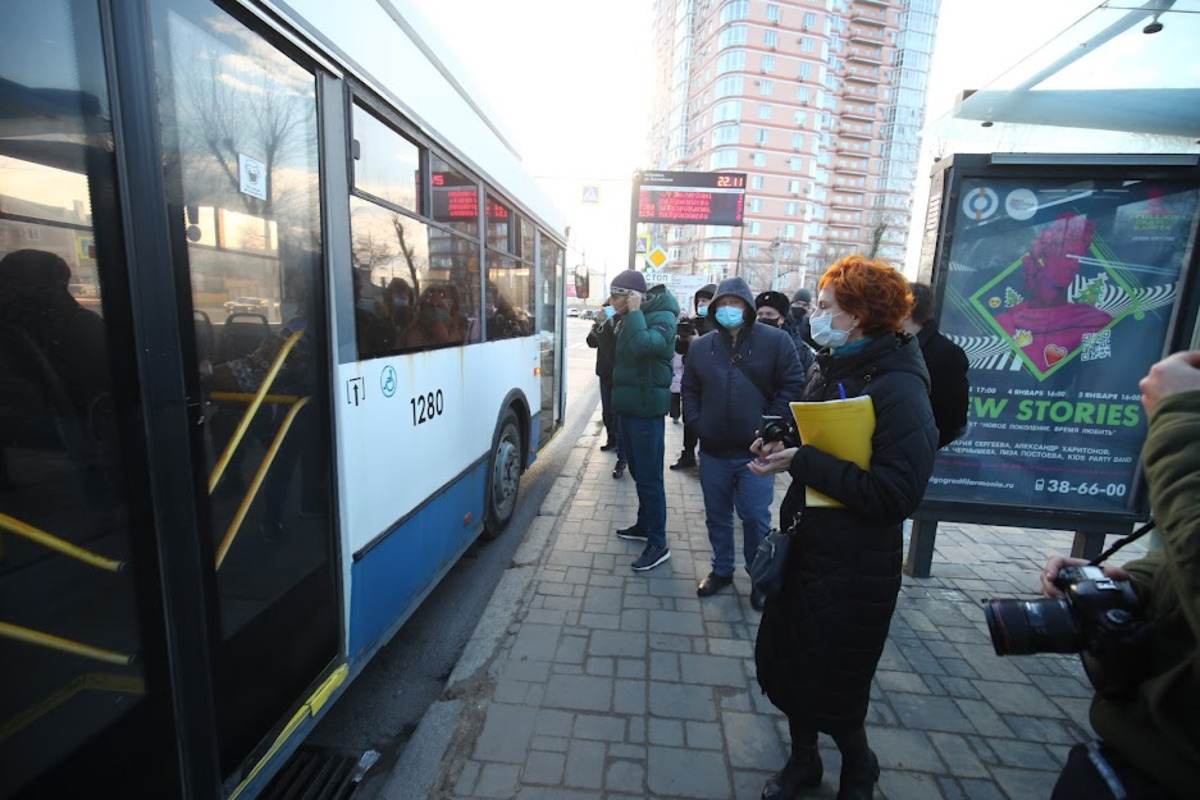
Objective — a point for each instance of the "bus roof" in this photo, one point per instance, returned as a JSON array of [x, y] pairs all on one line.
[[390, 46]]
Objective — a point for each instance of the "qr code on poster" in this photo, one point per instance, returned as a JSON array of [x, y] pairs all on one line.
[[1097, 345]]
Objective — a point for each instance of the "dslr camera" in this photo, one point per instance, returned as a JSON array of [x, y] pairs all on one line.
[[1100, 618], [773, 429]]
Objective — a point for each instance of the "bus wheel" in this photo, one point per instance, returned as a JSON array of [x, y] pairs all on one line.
[[504, 477]]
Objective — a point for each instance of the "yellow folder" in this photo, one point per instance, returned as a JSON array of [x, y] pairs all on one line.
[[842, 428]]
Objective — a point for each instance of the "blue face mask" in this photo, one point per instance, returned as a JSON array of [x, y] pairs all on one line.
[[610, 312], [824, 334], [399, 302], [702, 311], [730, 317]]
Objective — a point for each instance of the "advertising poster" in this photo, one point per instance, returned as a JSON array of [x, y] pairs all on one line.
[[1062, 294]]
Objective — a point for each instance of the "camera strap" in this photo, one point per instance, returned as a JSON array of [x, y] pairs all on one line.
[[736, 360], [1133, 537]]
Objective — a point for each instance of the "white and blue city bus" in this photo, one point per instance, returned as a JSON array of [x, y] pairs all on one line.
[[280, 329]]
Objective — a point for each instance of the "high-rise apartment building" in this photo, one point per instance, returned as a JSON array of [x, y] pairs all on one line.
[[820, 102]]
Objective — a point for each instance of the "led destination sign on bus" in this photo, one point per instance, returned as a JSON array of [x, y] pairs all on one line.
[[696, 198], [456, 199]]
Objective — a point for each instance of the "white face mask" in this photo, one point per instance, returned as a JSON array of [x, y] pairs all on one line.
[[824, 334]]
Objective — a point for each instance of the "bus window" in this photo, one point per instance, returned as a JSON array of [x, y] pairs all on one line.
[[500, 226], [416, 285], [510, 310], [386, 165], [454, 197]]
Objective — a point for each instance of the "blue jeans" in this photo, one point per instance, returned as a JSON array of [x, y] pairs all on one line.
[[642, 443], [727, 485]]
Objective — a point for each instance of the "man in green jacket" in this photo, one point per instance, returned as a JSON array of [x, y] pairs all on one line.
[[1150, 743], [641, 398]]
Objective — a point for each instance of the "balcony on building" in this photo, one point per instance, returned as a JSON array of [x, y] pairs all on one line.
[[865, 35], [857, 54], [852, 89], [847, 130], [868, 17], [852, 112], [884, 4]]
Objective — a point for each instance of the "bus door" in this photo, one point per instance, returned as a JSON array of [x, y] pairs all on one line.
[[85, 692], [240, 153]]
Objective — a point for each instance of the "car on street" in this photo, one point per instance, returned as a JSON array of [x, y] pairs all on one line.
[[573, 312], [248, 305]]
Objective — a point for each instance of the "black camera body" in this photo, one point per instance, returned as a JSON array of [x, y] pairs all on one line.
[[773, 429], [1100, 618]]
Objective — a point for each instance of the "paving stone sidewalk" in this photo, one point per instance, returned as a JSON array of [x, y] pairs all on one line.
[[614, 685]]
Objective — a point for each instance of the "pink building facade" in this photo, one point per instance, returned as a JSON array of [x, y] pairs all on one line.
[[820, 102]]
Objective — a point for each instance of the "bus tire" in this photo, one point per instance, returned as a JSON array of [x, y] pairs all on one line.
[[504, 477]]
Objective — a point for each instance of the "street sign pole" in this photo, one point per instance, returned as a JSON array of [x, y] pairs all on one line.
[[634, 187]]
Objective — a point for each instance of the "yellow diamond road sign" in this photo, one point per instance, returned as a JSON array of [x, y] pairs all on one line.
[[657, 258]]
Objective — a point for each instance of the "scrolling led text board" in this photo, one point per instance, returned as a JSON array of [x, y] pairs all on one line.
[[692, 198]]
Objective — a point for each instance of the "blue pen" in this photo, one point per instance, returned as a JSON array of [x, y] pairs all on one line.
[[842, 391]]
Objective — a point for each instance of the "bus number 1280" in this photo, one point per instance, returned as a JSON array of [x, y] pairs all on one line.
[[427, 406]]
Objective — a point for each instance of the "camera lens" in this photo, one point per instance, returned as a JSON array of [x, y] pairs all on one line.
[[1022, 627]]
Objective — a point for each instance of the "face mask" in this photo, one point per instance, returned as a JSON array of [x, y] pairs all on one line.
[[798, 312], [824, 334], [702, 311], [774, 323], [730, 317], [609, 312], [399, 302]]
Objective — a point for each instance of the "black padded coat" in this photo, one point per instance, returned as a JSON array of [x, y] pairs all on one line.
[[820, 640]]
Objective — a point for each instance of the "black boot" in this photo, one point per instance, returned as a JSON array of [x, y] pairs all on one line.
[[860, 767], [803, 769]]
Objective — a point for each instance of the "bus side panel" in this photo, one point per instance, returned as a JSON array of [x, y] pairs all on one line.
[[393, 577]]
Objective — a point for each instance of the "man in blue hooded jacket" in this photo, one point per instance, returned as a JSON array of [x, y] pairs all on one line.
[[734, 375]]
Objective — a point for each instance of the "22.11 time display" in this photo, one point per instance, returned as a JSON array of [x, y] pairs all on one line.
[[692, 198]]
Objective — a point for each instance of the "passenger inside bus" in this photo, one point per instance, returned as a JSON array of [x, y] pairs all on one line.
[[439, 320], [54, 368]]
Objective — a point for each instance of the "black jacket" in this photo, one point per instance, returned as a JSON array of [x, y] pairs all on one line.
[[723, 402], [603, 338], [948, 386], [820, 641]]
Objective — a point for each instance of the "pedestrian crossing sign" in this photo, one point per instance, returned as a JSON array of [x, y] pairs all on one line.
[[591, 194], [643, 244]]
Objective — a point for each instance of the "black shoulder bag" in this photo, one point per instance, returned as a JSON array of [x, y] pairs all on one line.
[[770, 559]]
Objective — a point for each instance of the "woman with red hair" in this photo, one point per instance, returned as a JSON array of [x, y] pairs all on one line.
[[821, 638]]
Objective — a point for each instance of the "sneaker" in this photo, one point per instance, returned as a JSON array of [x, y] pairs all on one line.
[[619, 469], [633, 533], [651, 557], [686, 461]]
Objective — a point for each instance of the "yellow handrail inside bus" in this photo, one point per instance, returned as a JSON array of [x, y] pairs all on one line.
[[310, 708], [52, 642], [246, 397], [54, 543], [251, 410], [259, 477], [91, 681]]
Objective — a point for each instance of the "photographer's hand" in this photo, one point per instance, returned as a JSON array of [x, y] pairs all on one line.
[[1050, 573], [1178, 372]]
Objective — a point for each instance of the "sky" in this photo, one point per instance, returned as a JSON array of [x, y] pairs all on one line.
[[570, 84]]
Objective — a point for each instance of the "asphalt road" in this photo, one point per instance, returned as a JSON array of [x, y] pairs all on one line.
[[380, 710]]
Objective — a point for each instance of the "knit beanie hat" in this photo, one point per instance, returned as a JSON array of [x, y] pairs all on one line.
[[802, 295], [630, 279]]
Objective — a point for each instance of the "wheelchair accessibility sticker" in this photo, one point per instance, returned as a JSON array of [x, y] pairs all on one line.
[[387, 381]]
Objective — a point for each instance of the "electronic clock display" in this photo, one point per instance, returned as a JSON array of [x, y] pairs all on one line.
[[692, 198]]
